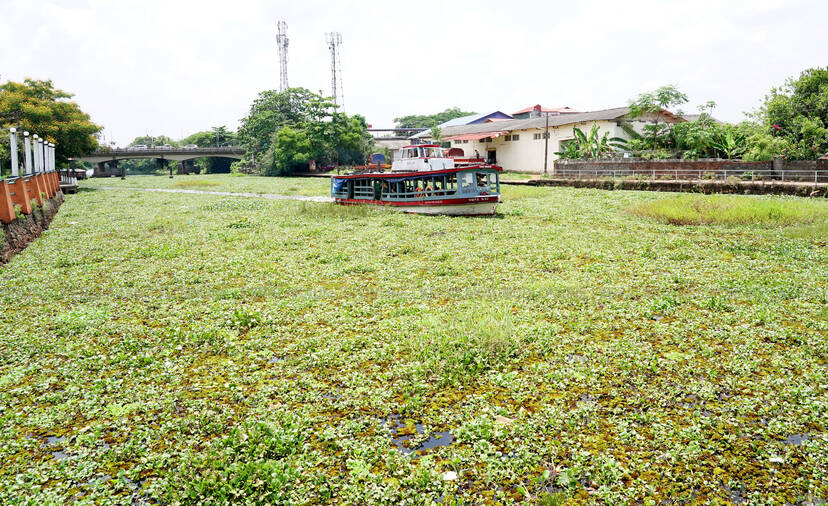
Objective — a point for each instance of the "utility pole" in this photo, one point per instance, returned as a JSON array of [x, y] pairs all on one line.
[[282, 44], [334, 40], [546, 143]]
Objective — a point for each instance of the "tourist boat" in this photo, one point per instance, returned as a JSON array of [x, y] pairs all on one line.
[[423, 180]]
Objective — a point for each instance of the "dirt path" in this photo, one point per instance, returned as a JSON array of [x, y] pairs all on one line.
[[270, 196]]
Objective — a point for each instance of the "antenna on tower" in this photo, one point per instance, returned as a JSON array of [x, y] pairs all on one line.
[[282, 43], [334, 40]]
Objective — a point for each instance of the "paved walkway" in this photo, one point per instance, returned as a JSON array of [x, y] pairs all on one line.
[[270, 196]]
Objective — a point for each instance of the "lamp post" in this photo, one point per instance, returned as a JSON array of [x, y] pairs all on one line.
[[13, 149], [27, 153], [36, 152], [546, 144]]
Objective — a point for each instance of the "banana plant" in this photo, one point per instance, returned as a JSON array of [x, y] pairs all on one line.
[[730, 144]]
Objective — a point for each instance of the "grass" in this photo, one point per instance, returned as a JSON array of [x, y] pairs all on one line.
[[184, 348], [734, 210]]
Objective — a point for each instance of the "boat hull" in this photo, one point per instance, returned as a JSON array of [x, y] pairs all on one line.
[[474, 206]]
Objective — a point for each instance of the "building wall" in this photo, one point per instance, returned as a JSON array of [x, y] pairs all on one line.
[[526, 153]]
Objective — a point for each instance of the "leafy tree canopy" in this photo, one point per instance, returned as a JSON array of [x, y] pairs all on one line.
[[213, 138], [430, 120], [40, 108], [284, 131], [798, 113]]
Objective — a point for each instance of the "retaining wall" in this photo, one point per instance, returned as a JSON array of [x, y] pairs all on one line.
[[675, 169], [743, 187]]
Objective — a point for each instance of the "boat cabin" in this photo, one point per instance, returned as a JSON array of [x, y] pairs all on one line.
[[420, 158], [453, 184]]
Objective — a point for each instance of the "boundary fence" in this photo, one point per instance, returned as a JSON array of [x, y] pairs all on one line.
[[39, 180], [807, 171]]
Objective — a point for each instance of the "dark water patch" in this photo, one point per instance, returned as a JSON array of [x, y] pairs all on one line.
[[275, 360], [53, 441], [401, 433], [98, 480], [797, 439]]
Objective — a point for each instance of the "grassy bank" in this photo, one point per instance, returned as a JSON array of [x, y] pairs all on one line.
[[178, 346]]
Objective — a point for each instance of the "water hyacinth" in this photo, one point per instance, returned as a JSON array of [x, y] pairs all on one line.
[[185, 348]]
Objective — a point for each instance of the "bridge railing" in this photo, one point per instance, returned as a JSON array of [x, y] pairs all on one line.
[[132, 151]]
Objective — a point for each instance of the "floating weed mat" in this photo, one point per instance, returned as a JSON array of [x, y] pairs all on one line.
[[733, 210], [157, 348], [329, 209], [196, 183], [237, 204]]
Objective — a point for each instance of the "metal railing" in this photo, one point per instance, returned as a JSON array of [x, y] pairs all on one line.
[[792, 176]]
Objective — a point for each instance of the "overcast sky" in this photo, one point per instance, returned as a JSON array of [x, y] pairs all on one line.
[[176, 67]]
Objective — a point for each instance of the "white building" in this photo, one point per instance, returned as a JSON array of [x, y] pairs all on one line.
[[518, 144]]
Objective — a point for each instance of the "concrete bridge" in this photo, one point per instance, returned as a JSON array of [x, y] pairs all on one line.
[[106, 162]]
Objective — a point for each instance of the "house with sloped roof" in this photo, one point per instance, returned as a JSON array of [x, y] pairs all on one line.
[[520, 144]]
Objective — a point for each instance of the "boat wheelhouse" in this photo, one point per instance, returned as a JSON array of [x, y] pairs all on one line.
[[423, 180]]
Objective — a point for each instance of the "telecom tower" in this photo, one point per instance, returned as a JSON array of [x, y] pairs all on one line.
[[282, 43], [334, 40]]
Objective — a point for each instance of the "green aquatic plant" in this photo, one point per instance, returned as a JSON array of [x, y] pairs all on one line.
[[153, 350]]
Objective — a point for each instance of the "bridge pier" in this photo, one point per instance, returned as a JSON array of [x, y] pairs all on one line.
[[186, 167], [108, 169]]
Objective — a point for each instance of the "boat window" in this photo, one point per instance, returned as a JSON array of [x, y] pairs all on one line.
[[488, 182], [466, 182]]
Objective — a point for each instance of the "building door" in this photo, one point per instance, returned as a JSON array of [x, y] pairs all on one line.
[[491, 156]]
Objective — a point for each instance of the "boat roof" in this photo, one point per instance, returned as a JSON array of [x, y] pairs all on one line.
[[420, 173]]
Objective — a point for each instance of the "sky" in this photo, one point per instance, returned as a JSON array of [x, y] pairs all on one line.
[[177, 67]]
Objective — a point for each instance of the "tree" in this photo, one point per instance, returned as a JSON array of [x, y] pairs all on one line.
[[213, 138], [273, 110], [285, 130], [429, 120], [663, 98], [798, 112], [40, 108]]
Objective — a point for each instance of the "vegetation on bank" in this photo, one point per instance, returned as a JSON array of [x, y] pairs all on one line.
[[184, 348], [285, 131], [40, 108], [792, 123]]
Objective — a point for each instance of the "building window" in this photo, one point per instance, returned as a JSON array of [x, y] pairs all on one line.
[[540, 136], [465, 141], [486, 139], [456, 142], [507, 138], [515, 137]]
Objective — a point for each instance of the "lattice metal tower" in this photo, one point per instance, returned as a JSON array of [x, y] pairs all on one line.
[[282, 43], [334, 40]]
